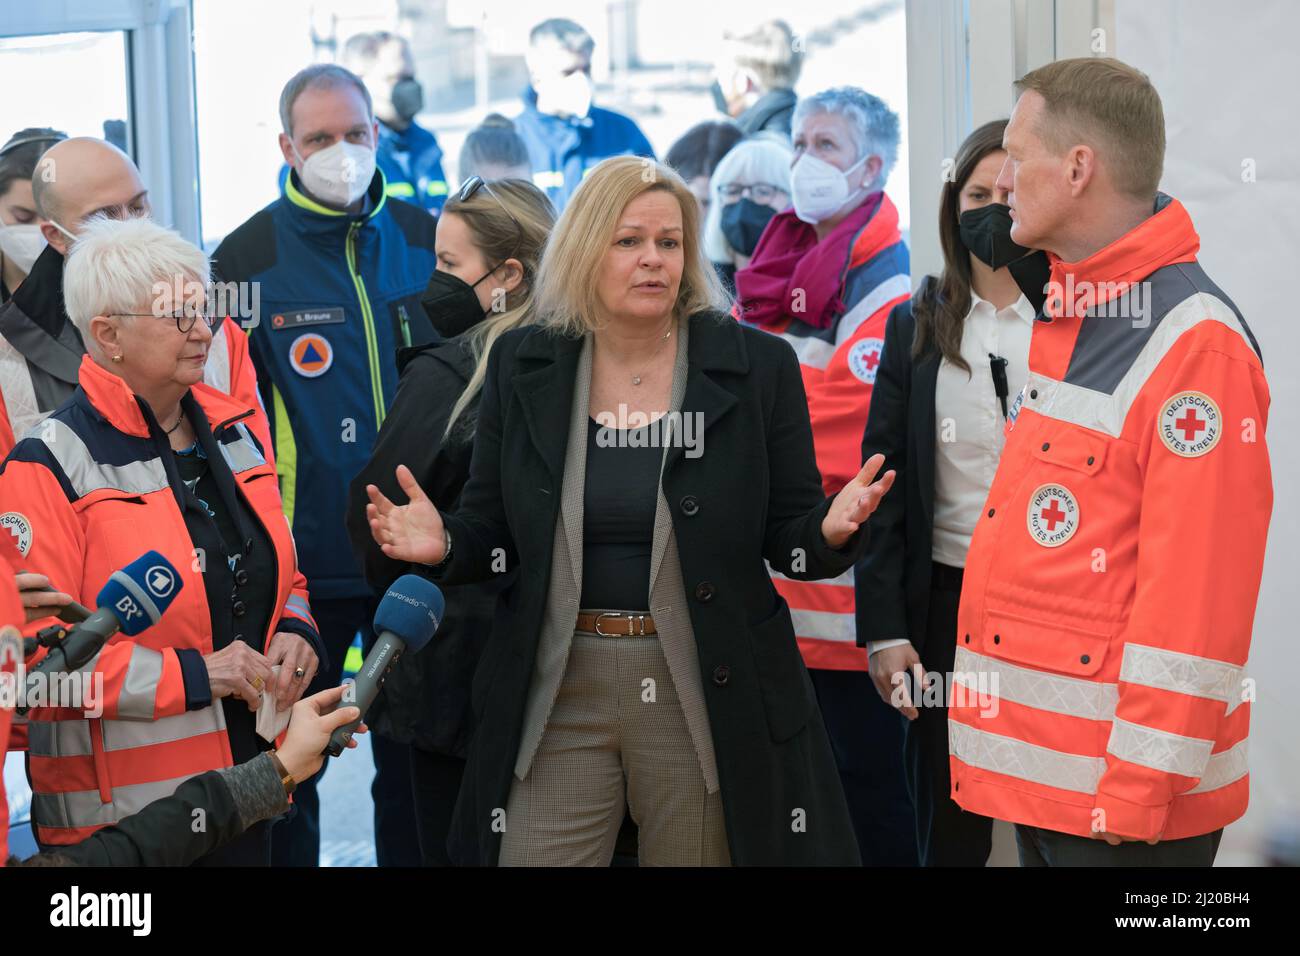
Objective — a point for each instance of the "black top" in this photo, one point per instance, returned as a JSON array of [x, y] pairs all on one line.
[[618, 517], [239, 578]]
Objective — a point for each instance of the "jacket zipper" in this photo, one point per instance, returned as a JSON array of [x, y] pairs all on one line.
[[368, 321]]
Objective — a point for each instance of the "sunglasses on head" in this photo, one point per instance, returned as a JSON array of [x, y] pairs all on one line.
[[470, 188]]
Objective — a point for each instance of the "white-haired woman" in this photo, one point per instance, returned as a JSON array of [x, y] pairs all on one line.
[[750, 185], [824, 277], [144, 456], [638, 457]]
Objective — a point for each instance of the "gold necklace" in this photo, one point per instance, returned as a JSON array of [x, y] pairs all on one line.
[[636, 379]]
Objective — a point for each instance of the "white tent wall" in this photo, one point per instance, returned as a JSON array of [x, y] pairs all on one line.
[[1226, 74]]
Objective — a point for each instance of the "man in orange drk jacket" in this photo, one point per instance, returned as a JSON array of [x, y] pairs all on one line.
[[1110, 589]]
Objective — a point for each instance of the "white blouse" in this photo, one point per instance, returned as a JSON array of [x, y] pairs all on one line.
[[968, 421], [968, 426]]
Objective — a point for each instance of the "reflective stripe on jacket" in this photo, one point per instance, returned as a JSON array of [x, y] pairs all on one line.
[[91, 491]]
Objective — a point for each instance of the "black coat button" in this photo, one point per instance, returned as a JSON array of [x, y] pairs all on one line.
[[997, 638], [1046, 445], [1033, 393], [991, 510], [721, 674], [690, 506], [239, 609], [967, 638], [1091, 459], [704, 592], [241, 577], [1084, 659]]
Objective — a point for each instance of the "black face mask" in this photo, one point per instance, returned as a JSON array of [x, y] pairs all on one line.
[[719, 99], [986, 232], [451, 304], [743, 222], [407, 98]]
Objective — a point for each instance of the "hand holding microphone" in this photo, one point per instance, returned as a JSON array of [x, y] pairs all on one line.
[[406, 619]]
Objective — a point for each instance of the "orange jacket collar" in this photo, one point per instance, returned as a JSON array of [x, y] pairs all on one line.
[[1166, 237], [112, 398]]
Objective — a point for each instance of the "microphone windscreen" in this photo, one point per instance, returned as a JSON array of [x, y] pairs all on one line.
[[140, 593], [412, 609]]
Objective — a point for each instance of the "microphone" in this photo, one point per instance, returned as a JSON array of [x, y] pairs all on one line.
[[132, 599], [406, 619], [998, 366]]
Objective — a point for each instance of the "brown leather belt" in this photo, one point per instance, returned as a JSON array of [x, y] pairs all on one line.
[[616, 623]]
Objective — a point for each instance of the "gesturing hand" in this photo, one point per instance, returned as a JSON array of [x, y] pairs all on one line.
[[412, 532], [855, 502]]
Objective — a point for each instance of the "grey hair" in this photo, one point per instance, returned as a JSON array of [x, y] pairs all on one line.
[[874, 125], [762, 158], [568, 33], [118, 266], [318, 76]]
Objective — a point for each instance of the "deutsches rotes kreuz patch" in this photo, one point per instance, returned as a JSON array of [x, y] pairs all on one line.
[[1053, 515], [864, 359], [18, 526], [1189, 424]]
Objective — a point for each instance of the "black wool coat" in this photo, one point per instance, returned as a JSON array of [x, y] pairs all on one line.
[[754, 493]]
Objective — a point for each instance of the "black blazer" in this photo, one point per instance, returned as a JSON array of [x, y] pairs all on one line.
[[892, 580], [754, 493], [425, 700]]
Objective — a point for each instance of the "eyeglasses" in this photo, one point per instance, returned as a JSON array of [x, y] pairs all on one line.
[[185, 320], [759, 192], [470, 187]]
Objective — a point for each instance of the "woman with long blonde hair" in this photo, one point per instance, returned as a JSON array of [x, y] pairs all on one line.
[[489, 245], [639, 457]]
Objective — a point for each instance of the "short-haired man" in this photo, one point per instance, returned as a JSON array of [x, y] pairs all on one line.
[[754, 80], [340, 268], [1111, 582], [408, 153], [566, 135]]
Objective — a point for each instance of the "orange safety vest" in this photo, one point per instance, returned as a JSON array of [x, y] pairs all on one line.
[[83, 495], [1111, 582]]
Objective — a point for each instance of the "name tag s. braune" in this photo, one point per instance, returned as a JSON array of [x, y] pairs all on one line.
[[300, 318]]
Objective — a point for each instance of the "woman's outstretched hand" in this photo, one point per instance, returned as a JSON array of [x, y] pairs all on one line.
[[855, 502], [412, 532]]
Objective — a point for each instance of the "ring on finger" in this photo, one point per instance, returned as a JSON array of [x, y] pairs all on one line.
[[258, 683], [299, 673]]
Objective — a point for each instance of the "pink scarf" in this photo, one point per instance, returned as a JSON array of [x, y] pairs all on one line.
[[794, 275]]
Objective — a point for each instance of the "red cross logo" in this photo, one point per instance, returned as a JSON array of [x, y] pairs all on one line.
[[873, 359], [1190, 424], [1053, 515]]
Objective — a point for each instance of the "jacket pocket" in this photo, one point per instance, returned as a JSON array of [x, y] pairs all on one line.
[[1074, 448], [782, 678], [1078, 648]]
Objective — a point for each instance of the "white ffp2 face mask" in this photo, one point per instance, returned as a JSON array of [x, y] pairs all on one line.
[[21, 244], [565, 95], [819, 190], [339, 174]]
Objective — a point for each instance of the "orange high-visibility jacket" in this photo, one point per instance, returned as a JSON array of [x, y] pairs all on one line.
[[1110, 586], [85, 494], [838, 365]]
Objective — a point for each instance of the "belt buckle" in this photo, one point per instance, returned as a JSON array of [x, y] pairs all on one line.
[[629, 618]]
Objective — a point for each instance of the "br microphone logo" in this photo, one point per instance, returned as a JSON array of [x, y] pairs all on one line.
[[128, 609]]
